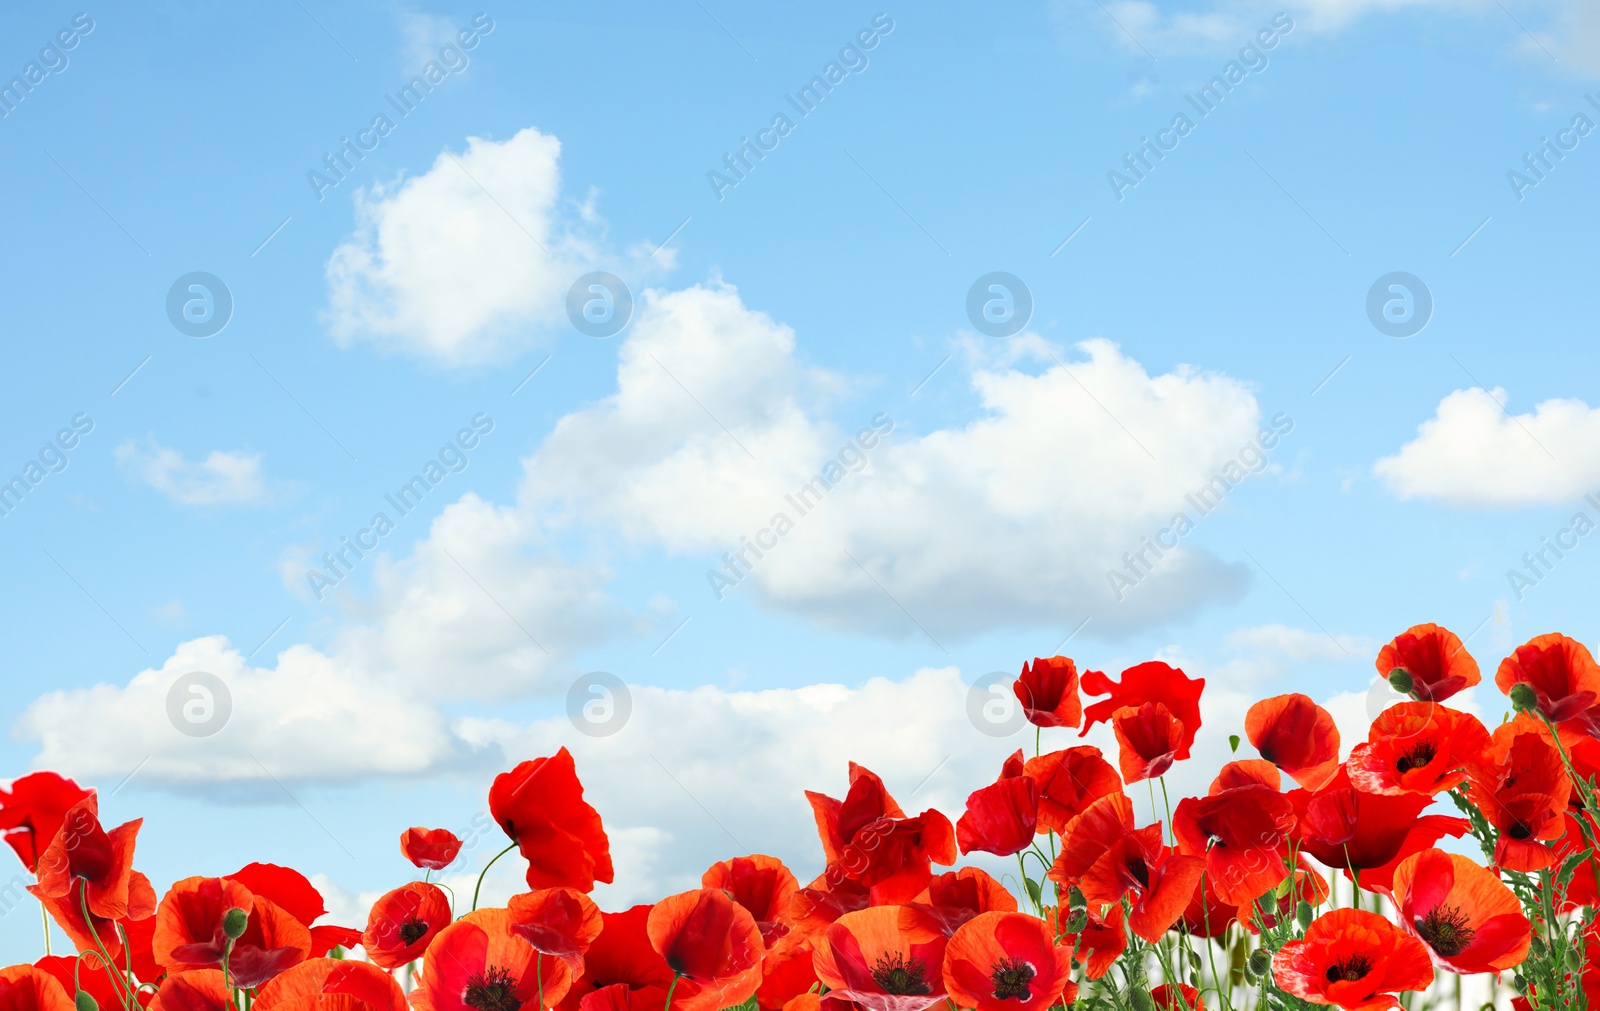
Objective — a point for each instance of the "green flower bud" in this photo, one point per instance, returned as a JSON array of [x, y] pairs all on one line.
[[84, 1002], [1075, 899], [1523, 697], [1260, 962], [1304, 915], [1142, 1001], [1400, 680], [234, 922], [1077, 921]]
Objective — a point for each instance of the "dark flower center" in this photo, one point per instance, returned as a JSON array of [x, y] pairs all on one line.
[[412, 930], [1446, 931], [1011, 977], [1351, 969], [493, 989], [1140, 872], [1417, 757], [901, 975], [1519, 829]]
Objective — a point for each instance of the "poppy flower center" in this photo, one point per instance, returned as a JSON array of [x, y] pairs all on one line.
[[1418, 757], [901, 975], [1446, 931], [493, 989], [1519, 829], [1351, 969], [412, 930], [1011, 977], [1139, 872]]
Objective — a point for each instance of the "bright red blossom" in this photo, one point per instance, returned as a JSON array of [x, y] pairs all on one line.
[[1435, 659], [433, 849], [1353, 959], [1008, 962], [1000, 818], [403, 923], [1153, 681], [1149, 740], [1048, 691], [540, 805], [868, 839], [1296, 735]]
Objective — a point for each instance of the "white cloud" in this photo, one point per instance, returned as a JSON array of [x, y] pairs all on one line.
[[1474, 452], [1011, 519], [1301, 644], [222, 478], [464, 263]]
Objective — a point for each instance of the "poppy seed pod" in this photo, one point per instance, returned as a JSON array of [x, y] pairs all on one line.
[[234, 923]]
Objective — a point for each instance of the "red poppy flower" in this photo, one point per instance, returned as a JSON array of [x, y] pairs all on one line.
[[708, 938], [1149, 739], [32, 810], [1469, 920], [196, 990], [1048, 691], [1247, 772], [1099, 944], [823, 901], [1424, 832], [867, 838], [886, 958], [403, 923], [1153, 681], [1348, 828], [85, 864], [1434, 658], [1107, 858], [91, 978], [761, 884], [1563, 675], [1524, 794], [621, 970], [1418, 747], [1244, 835], [328, 984], [1355, 959], [1070, 781], [1008, 962], [189, 932], [1177, 997], [479, 963], [432, 849], [1000, 818], [25, 988], [540, 806], [955, 897], [560, 922], [1298, 736], [292, 892]]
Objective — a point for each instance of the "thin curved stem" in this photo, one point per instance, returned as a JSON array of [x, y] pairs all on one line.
[[479, 888]]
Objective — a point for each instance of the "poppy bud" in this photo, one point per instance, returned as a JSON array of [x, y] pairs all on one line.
[[1305, 914], [1142, 1001], [1523, 697], [1077, 921], [1260, 962], [1075, 899], [234, 922], [1400, 680], [84, 1002]]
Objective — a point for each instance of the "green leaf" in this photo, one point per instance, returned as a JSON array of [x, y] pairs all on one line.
[[1034, 892]]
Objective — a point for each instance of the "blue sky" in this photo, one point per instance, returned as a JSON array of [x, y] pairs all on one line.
[[375, 318]]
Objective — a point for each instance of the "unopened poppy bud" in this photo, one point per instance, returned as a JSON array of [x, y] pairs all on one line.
[[1260, 962], [1077, 921], [1523, 698], [1305, 914], [1400, 681], [1075, 899], [1142, 1001], [234, 922], [84, 1002]]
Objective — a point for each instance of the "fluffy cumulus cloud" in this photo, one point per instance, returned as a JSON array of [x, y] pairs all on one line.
[[718, 438], [222, 478], [464, 263], [1474, 452]]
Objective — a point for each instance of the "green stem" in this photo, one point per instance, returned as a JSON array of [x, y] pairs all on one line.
[[675, 977], [486, 867], [106, 961], [44, 914]]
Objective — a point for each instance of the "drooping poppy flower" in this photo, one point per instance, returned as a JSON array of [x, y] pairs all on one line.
[[1069, 781], [1008, 962], [1048, 691], [1298, 736], [1354, 959], [32, 810], [432, 849], [294, 893], [540, 806], [195, 990], [91, 978], [1350, 829], [1418, 747], [478, 963], [1434, 658], [621, 970], [762, 885], [1000, 818], [1152, 681], [1107, 858], [1243, 835], [1099, 944], [26, 988], [1247, 772], [189, 932], [1177, 997], [328, 984], [886, 958], [85, 865], [955, 897], [1563, 675], [1524, 794], [403, 922], [1469, 920], [706, 937], [1149, 738], [867, 838], [560, 922]]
